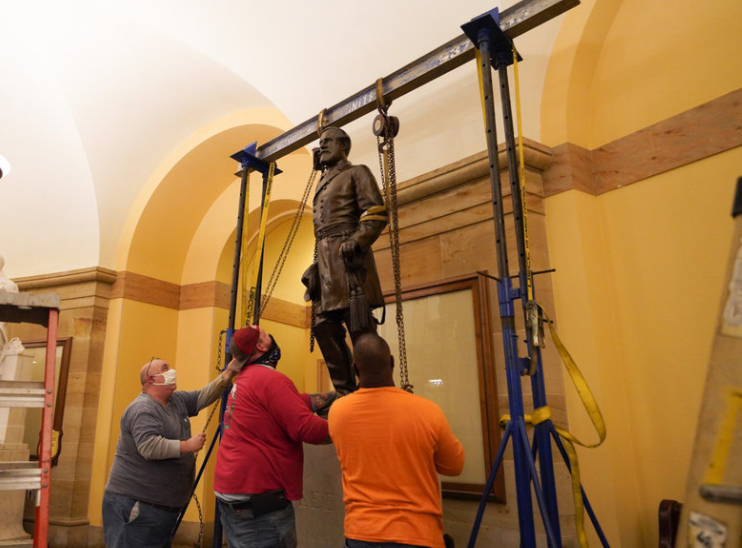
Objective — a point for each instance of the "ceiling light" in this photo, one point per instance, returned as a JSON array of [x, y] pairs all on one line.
[[4, 166]]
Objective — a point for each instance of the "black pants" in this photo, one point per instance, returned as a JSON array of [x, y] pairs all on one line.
[[329, 331]]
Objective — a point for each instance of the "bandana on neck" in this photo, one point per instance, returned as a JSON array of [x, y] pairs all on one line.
[[271, 356]]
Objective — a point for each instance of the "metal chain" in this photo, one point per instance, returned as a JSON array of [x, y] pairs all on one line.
[[218, 364], [390, 191], [200, 542], [287, 244], [219, 350]]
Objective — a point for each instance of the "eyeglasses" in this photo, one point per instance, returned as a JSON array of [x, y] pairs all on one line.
[[146, 373]]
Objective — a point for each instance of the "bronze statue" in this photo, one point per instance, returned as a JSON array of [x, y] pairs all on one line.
[[342, 283]]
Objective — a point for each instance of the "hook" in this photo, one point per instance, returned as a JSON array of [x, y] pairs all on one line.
[[382, 105], [321, 122]]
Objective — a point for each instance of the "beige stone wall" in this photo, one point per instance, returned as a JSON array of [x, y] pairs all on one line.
[[84, 307]]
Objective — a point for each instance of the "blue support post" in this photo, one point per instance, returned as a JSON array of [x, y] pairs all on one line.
[[495, 47], [248, 161]]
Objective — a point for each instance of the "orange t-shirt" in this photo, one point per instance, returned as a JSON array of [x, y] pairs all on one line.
[[391, 445]]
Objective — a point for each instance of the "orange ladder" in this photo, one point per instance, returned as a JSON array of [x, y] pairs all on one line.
[[42, 309]]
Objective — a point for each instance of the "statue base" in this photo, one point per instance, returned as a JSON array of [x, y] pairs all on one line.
[[320, 514]]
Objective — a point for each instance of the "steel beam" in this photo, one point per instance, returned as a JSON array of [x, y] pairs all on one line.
[[514, 21]]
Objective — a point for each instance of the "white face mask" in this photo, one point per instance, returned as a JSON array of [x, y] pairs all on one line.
[[169, 377]]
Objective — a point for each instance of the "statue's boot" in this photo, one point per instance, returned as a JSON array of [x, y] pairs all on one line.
[[331, 339]]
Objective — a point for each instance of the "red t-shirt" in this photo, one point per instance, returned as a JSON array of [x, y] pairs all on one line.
[[391, 445], [265, 423]]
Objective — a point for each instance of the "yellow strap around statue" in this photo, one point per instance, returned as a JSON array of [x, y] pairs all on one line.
[[591, 406], [375, 213], [259, 250]]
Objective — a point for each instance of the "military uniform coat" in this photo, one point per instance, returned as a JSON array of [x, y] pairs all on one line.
[[343, 194]]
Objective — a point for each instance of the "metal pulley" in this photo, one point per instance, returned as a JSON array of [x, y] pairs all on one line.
[[385, 126]]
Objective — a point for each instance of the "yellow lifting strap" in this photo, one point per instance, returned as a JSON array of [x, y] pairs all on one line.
[[243, 247], [375, 213], [591, 406], [522, 177], [249, 299], [521, 161]]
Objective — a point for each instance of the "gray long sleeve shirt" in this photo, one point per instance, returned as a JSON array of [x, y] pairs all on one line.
[[148, 465]]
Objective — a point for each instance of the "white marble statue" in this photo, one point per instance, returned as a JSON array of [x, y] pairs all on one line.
[[12, 347], [12, 447], [6, 286]]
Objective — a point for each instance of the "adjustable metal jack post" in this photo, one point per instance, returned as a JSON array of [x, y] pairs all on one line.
[[248, 161], [496, 48]]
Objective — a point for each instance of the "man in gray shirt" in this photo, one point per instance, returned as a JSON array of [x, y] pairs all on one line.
[[155, 462]]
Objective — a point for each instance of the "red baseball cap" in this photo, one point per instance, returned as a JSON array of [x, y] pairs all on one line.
[[243, 343]]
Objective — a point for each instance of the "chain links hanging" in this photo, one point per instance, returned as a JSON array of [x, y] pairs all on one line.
[[385, 128], [200, 541], [219, 370], [275, 275]]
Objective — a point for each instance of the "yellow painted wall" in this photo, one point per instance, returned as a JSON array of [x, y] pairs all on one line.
[[297, 363], [659, 59], [639, 277], [135, 333], [618, 66], [640, 270]]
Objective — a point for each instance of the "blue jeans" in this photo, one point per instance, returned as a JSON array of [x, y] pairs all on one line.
[[128, 523], [273, 530], [350, 543]]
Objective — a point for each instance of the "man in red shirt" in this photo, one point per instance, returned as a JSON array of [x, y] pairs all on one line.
[[391, 445], [260, 459]]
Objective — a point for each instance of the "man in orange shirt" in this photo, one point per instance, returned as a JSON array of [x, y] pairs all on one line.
[[391, 445]]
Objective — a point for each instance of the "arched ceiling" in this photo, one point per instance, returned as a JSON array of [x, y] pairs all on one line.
[[97, 96]]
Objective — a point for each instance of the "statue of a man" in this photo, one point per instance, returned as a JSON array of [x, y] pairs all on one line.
[[6, 284], [349, 215]]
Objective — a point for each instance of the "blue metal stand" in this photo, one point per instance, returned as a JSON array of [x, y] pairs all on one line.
[[497, 49], [248, 161]]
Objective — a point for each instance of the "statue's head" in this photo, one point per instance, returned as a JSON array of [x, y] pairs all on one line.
[[334, 146]]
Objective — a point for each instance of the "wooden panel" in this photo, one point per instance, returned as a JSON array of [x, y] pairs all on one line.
[[286, 313], [572, 169], [691, 136], [205, 295], [130, 285], [420, 262], [701, 132]]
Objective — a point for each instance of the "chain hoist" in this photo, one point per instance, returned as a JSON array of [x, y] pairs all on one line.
[[219, 370], [220, 345], [385, 128], [275, 275]]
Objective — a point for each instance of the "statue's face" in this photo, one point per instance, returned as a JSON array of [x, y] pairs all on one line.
[[331, 150]]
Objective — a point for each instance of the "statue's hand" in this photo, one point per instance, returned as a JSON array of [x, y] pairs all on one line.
[[349, 249]]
